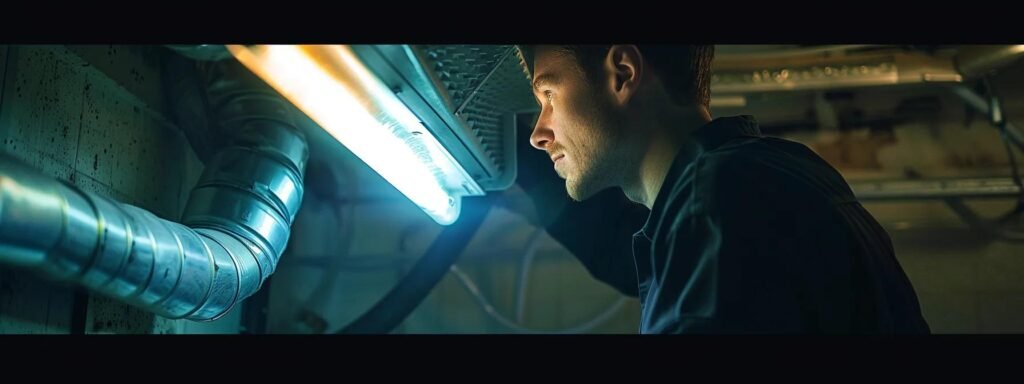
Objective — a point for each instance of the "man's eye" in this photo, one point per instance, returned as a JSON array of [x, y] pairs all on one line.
[[547, 95]]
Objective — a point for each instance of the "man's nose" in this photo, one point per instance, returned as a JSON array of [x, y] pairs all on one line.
[[542, 135]]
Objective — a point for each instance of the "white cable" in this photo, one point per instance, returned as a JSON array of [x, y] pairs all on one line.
[[524, 272], [489, 309]]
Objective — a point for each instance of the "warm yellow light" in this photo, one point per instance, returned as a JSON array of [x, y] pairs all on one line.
[[331, 85]]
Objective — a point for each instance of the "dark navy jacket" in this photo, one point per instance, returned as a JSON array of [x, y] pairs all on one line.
[[750, 234]]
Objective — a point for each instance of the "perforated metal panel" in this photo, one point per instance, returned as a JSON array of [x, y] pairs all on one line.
[[467, 96], [484, 87]]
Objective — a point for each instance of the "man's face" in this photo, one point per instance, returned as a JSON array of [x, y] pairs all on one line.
[[577, 125]]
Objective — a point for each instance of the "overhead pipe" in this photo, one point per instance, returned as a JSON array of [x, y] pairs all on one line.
[[979, 60], [234, 228]]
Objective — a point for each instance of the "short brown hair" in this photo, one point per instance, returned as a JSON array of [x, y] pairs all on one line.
[[685, 69]]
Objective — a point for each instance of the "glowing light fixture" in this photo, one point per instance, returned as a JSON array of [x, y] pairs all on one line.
[[333, 86]]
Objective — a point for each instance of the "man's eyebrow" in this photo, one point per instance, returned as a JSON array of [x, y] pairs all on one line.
[[545, 79]]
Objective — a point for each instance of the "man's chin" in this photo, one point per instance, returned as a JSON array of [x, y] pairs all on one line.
[[576, 193]]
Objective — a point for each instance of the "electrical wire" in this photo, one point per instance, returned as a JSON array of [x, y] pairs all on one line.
[[524, 271], [528, 255]]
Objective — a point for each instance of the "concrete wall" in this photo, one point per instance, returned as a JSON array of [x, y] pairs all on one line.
[[94, 116]]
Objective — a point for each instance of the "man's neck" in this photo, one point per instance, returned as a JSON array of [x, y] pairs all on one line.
[[672, 137]]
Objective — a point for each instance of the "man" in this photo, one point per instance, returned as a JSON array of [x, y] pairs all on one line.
[[738, 233]]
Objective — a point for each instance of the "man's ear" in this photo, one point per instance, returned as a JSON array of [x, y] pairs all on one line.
[[625, 66]]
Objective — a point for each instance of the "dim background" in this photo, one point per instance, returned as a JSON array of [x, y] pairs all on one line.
[[96, 117]]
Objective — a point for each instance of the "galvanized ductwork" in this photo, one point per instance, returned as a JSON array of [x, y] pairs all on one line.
[[235, 225]]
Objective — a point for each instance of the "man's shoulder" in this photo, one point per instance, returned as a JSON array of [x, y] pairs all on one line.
[[765, 173], [736, 165], [756, 153]]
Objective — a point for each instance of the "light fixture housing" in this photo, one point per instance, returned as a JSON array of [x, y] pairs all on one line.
[[336, 89]]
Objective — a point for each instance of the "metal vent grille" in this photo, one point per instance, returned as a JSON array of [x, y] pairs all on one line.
[[461, 68], [486, 87]]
